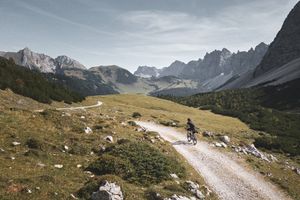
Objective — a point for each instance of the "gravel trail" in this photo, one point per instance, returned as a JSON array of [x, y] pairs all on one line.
[[229, 179]]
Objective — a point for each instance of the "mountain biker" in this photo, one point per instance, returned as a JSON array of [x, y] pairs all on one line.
[[190, 126], [191, 130]]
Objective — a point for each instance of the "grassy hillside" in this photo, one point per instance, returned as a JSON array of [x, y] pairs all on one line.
[[270, 109], [44, 137], [33, 84]]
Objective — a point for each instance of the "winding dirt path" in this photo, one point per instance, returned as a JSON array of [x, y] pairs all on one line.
[[98, 104], [229, 179]]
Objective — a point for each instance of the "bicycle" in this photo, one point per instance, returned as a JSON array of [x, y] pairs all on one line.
[[191, 137]]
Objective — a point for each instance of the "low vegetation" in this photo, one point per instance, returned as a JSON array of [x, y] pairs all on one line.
[[53, 155]]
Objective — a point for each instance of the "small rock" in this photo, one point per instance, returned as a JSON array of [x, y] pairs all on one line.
[[123, 124], [37, 188], [225, 139], [28, 191], [16, 143], [2, 150], [40, 164], [58, 166], [78, 166], [152, 141], [223, 144], [206, 190], [217, 144], [199, 194], [82, 117], [174, 176], [108, 191], [109, 138], [66, 147], [297, 170], [13, 158], [207, 134], [88, 130], [73, 196]]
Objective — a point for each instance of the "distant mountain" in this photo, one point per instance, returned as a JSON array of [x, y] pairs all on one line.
[[224, 62], [147, 72], [175, 69], [42, 62], [281, 62], [217, 65], [285, 47]]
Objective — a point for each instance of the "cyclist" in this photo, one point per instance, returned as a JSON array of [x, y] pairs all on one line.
[[190, 126], [191, 130]]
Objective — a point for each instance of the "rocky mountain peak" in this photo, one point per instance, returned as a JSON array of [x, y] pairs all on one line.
[[286, 45], [65, 62]]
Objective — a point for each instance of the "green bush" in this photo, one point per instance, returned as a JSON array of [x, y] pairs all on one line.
[[137, 163], [33, 143], [149, 165], [108, 164]]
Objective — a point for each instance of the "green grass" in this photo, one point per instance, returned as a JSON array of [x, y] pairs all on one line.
[[44, 135]]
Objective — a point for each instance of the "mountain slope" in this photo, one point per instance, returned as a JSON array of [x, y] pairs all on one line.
[[32, 84], [286, 45]]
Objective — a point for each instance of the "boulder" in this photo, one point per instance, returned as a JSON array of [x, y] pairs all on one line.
[[225, 139], [174, 176], [108, 191]]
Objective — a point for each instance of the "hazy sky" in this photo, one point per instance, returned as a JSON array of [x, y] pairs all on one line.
[[130, 33]]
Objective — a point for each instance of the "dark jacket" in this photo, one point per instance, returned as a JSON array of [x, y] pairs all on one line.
[[191, 126]]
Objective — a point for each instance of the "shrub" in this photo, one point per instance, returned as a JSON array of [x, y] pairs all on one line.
[[136, 115], [33, 143], [108, 164], [149, 164]]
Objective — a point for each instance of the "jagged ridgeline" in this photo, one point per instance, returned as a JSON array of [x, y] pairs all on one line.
[[33, 84]]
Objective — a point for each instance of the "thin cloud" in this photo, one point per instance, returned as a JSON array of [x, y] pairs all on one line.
[[64, 20]]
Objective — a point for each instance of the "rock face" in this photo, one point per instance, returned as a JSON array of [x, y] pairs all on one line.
[[41, 62], [286, 45], [211, 72], [224, 62], [147, 72], [175, 69], [64, 62], [108, 191]]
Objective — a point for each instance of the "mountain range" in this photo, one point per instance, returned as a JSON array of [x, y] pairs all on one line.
[[217, 70], [179, 78]]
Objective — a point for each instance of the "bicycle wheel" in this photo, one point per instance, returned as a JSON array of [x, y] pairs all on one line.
[[188, 135]]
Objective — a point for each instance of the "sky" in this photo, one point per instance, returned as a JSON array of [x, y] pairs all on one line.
[[132, 33]]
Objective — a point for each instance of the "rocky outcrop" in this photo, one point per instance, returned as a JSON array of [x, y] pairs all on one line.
[[286, 45], [108, 191], [224, 62], [147, 72]]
